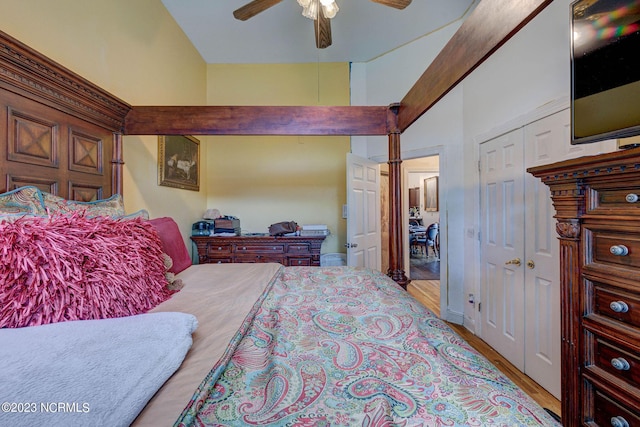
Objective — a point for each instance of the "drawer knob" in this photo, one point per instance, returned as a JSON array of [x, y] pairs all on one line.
[[632, 198], [619, 306], [619, 422], [620, 250], [620, 364]]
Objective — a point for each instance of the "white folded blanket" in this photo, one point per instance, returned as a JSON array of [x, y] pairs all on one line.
[[90, 372]]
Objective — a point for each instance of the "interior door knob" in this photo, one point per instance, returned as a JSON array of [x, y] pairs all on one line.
[[531, 264], [515, 261]]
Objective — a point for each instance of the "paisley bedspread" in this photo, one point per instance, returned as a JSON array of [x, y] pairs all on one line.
[[342, 346]]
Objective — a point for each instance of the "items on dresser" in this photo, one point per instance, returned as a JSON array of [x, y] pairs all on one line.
[[314, 230], [226, 224], [283, 228], [202, 228], [286, 250], [597, 202]]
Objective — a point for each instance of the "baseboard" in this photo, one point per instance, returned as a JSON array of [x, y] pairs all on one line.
[[454, 317]]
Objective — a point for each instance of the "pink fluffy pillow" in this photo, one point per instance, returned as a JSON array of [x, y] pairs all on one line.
[[72, 267]]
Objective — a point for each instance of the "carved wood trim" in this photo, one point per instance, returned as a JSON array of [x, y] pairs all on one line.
[[31, 139], [59, 127], [28, 73], [568, 229]]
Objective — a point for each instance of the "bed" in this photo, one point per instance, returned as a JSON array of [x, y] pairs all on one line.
[[112, 325], [127, 342]]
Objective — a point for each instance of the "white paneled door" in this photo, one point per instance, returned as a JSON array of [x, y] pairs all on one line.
[[502, 246], [520, 277], [363, 218]]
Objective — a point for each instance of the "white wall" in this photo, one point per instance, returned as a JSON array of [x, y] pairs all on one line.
[[530, 71]]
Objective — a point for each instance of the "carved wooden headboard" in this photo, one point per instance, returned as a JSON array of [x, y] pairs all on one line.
[[58, 131]]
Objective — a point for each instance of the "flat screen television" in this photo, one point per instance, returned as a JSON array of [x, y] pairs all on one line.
[[605, 70]]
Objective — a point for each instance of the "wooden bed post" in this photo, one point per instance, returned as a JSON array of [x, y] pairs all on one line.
[[396, 253], [116, 164]]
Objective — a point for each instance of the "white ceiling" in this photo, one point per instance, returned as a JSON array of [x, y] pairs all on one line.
[[362, 30]]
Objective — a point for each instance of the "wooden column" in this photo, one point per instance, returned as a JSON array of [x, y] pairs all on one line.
[[396, 253], [570, 256], [117, 163]]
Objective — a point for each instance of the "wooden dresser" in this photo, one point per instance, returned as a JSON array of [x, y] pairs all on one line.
[[597, 201], [288, 251]]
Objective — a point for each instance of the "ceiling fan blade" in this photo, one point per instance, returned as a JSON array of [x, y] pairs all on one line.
[[322, 26], [398, 4], [253, 8]]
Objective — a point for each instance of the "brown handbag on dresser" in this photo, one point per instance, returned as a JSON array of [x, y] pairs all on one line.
[[280, 228]]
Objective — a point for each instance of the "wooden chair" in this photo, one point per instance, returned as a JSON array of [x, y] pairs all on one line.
[[430, 239]]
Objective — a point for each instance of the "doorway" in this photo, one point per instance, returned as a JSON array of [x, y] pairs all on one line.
[[423, 217]]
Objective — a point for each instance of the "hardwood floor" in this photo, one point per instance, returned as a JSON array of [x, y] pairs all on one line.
[[423, 267], [428, 293]]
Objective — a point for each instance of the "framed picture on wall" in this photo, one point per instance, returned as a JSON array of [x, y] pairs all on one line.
[[179, 162], [431, 194]]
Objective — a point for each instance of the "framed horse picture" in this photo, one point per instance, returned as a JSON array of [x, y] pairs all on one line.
[[179, 162]]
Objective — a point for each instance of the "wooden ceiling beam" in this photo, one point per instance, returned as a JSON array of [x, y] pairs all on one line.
[[258, 120], [489, 26]]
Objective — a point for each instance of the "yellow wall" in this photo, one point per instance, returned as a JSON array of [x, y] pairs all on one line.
[[135, 50], [263, 180]]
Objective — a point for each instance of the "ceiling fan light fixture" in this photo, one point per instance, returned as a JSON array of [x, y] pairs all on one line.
[[330, 8], [310, 8]]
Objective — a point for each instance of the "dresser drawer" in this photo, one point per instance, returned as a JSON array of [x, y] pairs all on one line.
[[216, 260], [253, 257], [617, 361], [618, 305], [260, 248], [626, 199], [614, 248], [299, 261], [299, 248], [607, 412], [214, 250]]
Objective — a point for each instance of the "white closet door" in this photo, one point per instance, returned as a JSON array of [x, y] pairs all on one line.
[[502, 246], [543, 141]]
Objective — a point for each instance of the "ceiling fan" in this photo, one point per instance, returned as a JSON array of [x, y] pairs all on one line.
[[321, 11]]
